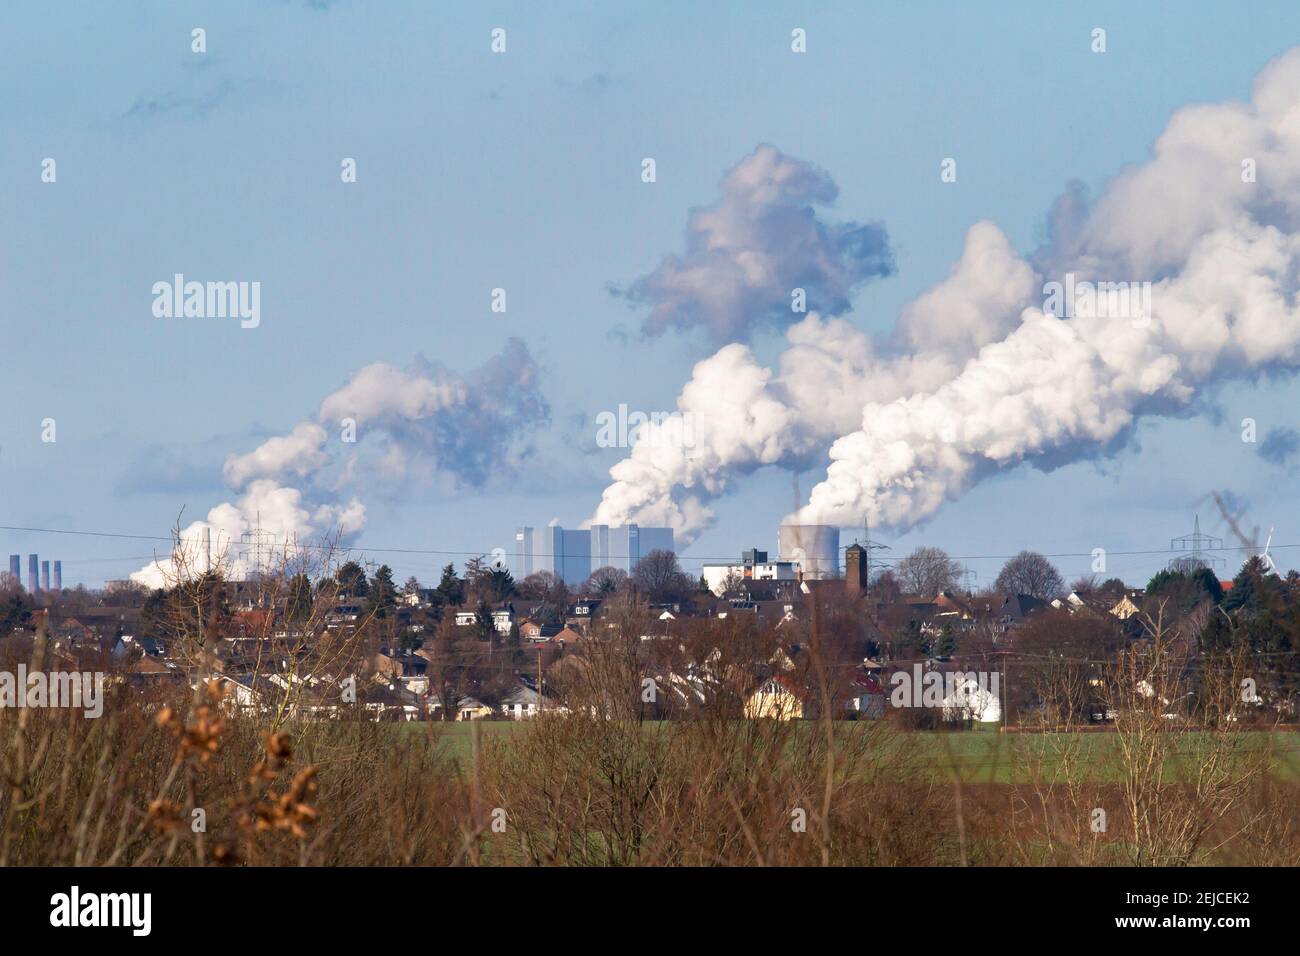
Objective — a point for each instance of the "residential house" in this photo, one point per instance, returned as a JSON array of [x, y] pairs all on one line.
[[470, 708], [536, 632], [503, 618], [521, 703], [866, 696], [778, 697], [972, 699]]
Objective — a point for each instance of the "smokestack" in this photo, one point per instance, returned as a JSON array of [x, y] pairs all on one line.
[[16, 568], [33, 572], [207, 550], [45, 575], [815, 548], [58, 576]]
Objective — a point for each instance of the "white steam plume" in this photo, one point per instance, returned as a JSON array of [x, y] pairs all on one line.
[[763, 239], [978, 378], [1222, 255], [467, 428], [745, 417]]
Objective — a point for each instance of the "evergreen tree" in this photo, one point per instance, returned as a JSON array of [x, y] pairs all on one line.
[[500, 584], [1208, 582], [483, 622], [351, 580], [515, 645], [298, 598], [1244, 587], [451, 588], [15, 612], [382, 599], [946, 646]]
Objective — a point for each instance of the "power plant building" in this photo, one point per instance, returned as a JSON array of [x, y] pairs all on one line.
[[41, 575], [814, 549], [573, 554]]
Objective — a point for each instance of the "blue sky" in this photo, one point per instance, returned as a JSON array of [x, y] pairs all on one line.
[[522, 171]]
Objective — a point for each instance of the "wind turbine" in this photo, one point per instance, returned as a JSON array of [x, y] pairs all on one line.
[[1266, 558]]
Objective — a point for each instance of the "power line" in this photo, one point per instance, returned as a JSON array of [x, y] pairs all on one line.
[[173, 540]]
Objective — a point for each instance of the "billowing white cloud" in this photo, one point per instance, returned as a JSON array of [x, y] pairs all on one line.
[[471, 426], [745, 255], [268, 525], [468, 427], [381, 391], [979, 376], [745, 416], [300, 453]]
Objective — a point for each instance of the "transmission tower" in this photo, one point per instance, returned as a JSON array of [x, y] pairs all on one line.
[[870, 547], [1195, 548]]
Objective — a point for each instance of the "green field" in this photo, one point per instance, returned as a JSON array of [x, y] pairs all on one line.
[[979, 756]]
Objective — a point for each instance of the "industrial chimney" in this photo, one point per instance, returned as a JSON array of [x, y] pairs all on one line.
[[814, 548]]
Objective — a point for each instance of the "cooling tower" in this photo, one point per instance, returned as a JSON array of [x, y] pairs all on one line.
[[815, 548]]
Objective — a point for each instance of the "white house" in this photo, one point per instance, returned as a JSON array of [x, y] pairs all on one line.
[[502, 619], [469, 708], [971, 700], [521, 703]]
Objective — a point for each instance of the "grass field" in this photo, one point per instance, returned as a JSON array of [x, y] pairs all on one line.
[[980, 756]]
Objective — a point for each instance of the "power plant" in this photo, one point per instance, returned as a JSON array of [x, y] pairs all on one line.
[[573, 555], [814, 549], [41, 575]]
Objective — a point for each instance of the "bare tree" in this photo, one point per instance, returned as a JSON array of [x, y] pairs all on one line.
[[1084, 585], [605, 581], [457, 661], [660, 578], [927, 571], [1030, 573], [543, 586], [1187, 761], [885, 587]]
